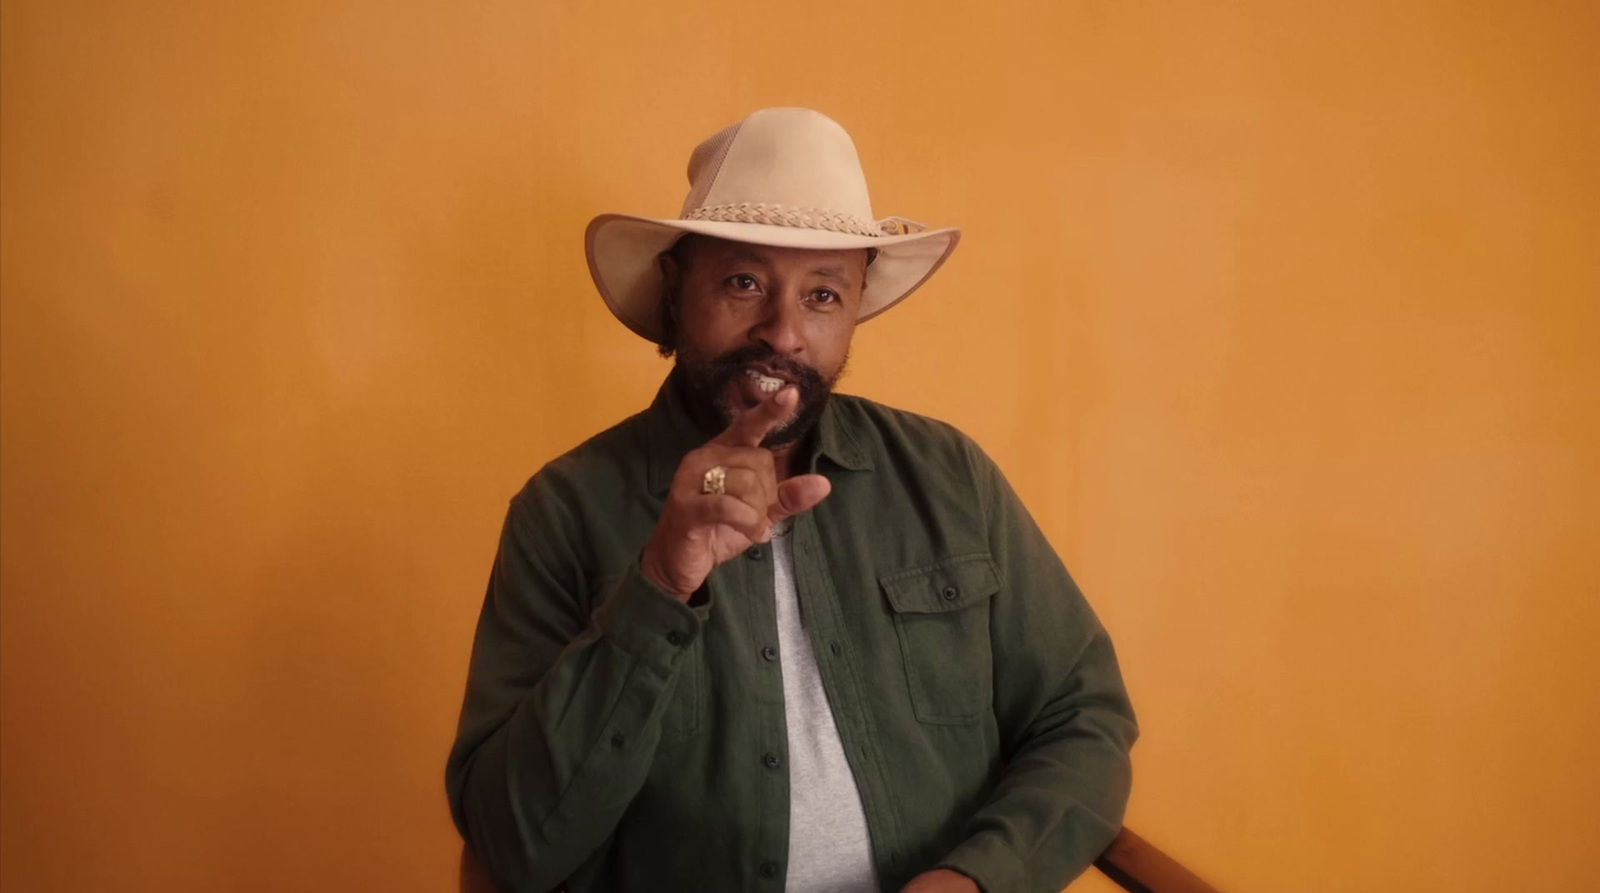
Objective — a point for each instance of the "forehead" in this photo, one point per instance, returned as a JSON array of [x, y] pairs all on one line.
[[837, 262]]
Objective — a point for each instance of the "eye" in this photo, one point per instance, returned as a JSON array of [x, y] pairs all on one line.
[[744, 282], [825, 296]]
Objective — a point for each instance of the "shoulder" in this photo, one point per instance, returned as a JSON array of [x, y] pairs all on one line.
[[612, 462], [891, 433], [941, 463]]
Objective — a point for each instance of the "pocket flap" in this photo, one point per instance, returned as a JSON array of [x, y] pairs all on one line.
[[946, 585]]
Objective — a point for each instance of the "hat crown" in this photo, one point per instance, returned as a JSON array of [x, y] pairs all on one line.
[[791, 161]]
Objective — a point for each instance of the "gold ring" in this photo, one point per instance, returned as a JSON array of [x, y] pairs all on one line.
[[715, 482]]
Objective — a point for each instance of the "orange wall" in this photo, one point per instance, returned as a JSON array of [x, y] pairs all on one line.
[[1283, 322]]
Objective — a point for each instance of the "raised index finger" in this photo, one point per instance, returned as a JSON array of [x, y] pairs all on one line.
[[751, 427]]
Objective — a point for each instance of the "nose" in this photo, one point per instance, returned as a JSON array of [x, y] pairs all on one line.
[[781, 324]]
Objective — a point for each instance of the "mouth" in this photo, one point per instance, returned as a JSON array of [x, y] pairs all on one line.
[[743, 379], [767, 384]]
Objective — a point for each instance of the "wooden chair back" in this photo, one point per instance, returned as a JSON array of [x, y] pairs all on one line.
[[1131, 861]]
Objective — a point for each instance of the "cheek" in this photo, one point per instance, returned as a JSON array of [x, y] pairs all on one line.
[[830, 342], [709, 323]]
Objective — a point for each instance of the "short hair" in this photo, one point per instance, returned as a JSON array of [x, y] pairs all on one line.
[[680, 251]]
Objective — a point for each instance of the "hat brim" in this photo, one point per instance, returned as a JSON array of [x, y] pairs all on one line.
[[622, 251]]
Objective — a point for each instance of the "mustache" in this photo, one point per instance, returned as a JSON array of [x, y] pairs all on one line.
[[707, 382], [731, 365]]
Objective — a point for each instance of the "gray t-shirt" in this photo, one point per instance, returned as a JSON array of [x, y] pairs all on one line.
[[830, 850]]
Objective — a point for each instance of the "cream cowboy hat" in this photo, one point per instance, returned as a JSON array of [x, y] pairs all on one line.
[[782, 177]]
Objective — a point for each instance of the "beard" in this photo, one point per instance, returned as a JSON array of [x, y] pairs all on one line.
[[705, 389]]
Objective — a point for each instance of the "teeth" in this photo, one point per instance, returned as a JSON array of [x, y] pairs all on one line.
[[766, 383]]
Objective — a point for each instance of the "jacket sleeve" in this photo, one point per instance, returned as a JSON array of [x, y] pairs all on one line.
[[563, 709], [1065, 721]]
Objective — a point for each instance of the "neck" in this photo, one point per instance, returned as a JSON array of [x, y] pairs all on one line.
[[783, 459]]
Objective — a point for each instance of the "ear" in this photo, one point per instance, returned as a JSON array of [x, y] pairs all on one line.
[[668, 265], [671, 280]]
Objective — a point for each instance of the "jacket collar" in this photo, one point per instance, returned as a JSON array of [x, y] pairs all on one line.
[[670, 433]]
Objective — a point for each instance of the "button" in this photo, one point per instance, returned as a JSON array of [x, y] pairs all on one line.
[[772, 761], [755, 553], [675, 637], [770, 653], [769, 870], [617, 740], [950, 593]]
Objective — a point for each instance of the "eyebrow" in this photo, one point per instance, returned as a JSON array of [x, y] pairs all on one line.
[[746, 255]]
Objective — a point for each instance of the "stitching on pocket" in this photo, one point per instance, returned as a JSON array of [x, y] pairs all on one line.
[[944, 636]]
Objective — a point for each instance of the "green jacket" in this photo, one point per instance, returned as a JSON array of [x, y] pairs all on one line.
[[617, 739]]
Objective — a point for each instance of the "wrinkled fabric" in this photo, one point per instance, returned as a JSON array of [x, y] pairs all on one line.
[[613, 738]]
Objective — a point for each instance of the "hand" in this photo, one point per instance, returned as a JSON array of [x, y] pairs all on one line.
[[698, 531], [941, 880]]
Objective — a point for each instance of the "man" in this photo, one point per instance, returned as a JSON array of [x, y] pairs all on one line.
[[764, 637]]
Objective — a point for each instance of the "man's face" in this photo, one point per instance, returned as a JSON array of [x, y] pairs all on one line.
[[752, 318]]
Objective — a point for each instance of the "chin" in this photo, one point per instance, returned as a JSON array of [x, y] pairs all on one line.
[[785, 434]]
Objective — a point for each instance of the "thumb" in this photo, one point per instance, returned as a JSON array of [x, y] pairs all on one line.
[[799, 494]]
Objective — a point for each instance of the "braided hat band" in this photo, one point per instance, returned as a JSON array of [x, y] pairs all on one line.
[[772, 214]]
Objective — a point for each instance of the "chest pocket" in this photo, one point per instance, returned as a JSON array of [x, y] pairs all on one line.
[[941, 616]]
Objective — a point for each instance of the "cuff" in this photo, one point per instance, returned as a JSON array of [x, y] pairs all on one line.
[[989, 862], [647, 622]]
